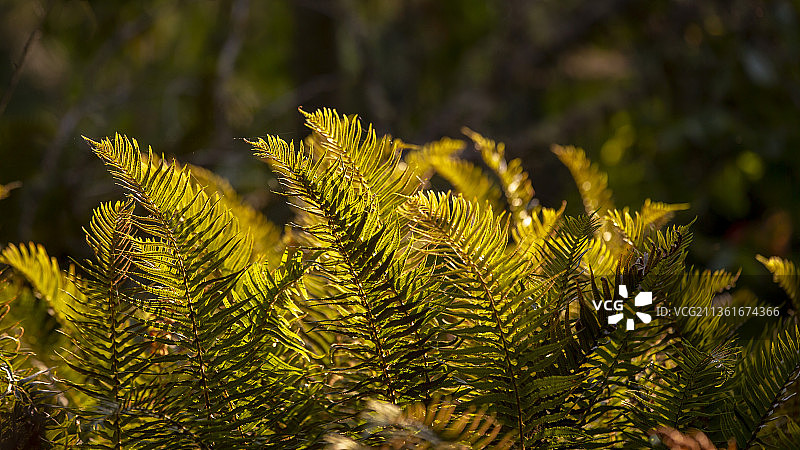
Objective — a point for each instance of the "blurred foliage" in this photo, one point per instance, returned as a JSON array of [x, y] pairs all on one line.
[[682, 101]]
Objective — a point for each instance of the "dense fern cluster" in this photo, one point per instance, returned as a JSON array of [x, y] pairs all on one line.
[[387, 314]]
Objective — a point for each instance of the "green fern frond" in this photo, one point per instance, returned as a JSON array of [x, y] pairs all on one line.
[[563, 253], [271, 294], [683, 390], [592, 182], [698, 290], [469, 180], [177, 203], [541, 223], [436, 425], [618, 356], [785, 273], [657, 214], [599, 257], [59, 288], [465, 177], [502, 324], [30, 416], [108, 353], [266, 236], [369, 163], [185, 267], [516, 184], [783, 436], [420, 160], [637, 227], [764, 377], [378, 306]]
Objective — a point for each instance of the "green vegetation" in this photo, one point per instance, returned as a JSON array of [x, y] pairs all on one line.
[[389, 313]]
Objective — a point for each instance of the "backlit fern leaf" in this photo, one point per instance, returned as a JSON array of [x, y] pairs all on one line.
[[516, 184], [682, 391], [436, 425], [420, 160], [185, 265], [763, 382], [176, 202], [698, 289], [469, 180], [542, 222], [266, 236], [785, 273], [108, 354], [59, 288], [466, 178], [657, 214], [637, 227], [592, 183], [501, 322], [369, 162], [379, 309]]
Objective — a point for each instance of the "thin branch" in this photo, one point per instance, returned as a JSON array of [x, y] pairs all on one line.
[[17, 74]]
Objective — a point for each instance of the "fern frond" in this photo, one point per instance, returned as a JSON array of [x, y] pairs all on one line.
[[420, 160], [618, 356], [466, 178], [108, 353], [501, 324], [371, 164], [637, 227], [785, 273], [176, 202], [436, 425], [59, 288], [562, 254], [592, 182], [266, 236], [186, 266], [541, 223], [379, 307], [683, 390], [516, 184], [469, 180], [657, 214], [698, 290], [764, 377]]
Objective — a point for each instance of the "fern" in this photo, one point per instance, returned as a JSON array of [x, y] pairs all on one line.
[[266, 236], [199, 324], [500, 320], [174, 200], [424, 426], [110, 357], [30, 416], [43, 272], [377, 302], [684, 391], [516, 185], [784, 273], [763, 383], [592, 183]]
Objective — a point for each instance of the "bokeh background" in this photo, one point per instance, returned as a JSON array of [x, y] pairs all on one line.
[[678, 100]]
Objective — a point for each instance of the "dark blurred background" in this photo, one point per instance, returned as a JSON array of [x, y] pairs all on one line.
[[679, 101]]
